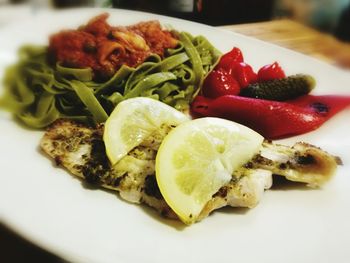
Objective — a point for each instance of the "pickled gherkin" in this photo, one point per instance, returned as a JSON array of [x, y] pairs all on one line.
[[280, 89]]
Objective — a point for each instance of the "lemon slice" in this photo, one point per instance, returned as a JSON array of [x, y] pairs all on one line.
[[132, 121], [197, 158]]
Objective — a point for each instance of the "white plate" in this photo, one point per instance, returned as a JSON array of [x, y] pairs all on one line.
[[55, 210]]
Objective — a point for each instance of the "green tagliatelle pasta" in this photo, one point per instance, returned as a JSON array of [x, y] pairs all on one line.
[[39, 93]]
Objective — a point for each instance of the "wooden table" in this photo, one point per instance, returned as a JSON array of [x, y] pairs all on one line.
[[298, 37]]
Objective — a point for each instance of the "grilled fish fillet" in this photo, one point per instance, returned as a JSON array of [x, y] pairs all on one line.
[[80, 149]]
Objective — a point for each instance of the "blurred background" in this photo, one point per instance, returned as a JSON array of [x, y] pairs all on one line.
[[332, 16]]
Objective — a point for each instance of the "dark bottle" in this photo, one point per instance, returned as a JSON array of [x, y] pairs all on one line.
[[68, 3], [212, 12], [185, 9], [153, 6], [224, 12]]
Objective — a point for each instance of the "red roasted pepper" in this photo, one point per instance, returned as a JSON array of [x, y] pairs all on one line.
[[271, 71], [219, 83], [273, 119], [234, 56], [243, 73]]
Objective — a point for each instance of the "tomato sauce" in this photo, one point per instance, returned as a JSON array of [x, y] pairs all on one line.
[[105, 48]]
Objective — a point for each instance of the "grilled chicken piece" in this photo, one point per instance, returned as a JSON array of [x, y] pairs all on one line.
[[303, 162], [245, 191], [80, 149]]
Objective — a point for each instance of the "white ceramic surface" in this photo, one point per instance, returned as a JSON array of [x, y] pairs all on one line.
[[56, 211]]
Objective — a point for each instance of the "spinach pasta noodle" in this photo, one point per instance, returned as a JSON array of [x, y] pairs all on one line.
[[38, 93]]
